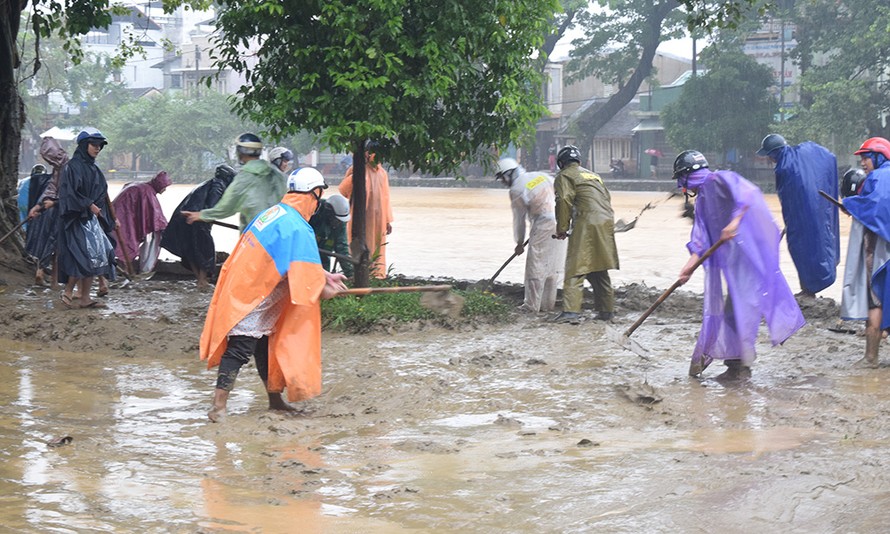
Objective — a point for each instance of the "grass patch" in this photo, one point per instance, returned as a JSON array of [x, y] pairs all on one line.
[[361, 314]]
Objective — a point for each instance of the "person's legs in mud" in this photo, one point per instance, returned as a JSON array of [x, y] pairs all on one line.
[[68, 293], [736, 368], [261, 355], [603, 295], [238, 352], [103, 287], [873, 333], [572, 295], [873, 336]]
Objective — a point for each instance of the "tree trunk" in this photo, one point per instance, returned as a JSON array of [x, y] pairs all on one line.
[[598, 116], [12, 117], [358, 245]]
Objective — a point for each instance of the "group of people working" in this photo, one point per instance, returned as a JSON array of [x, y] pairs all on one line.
[[733, 235], [266, 301]]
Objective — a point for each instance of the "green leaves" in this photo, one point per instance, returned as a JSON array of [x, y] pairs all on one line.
[[437, 83]]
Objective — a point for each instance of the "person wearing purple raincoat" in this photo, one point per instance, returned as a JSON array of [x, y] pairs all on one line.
[[728, 207]]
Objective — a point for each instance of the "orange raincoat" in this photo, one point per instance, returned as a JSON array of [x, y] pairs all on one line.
[[279, 242], [378, 213]]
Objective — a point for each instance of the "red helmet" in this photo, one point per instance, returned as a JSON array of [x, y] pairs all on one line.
[[875, 144]]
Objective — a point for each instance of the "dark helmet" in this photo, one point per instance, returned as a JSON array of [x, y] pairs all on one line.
[[852, 182], [372, 145], [688, 161], [225, 172], [566, 154], [91, 135], [38, 169], [249, 145], [770, 143]]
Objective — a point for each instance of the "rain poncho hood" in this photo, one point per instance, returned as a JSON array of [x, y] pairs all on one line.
[[258, 186], [871, 207], [749, 263], [278, 242], [811, 222]]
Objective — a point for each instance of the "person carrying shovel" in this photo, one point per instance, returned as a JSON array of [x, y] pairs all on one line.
[[731, 216], [532, 196], [267, 301]]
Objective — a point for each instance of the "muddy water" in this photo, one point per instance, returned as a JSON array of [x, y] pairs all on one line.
[[525, 427], [467, 234]]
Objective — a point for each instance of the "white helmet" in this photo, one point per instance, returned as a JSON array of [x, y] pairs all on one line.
[[507, 168], [305, 180], [280, 152], [340, 206]]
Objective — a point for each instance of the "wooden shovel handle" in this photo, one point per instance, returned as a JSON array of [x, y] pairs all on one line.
[[402, 289], [671, 289], [836, 202]]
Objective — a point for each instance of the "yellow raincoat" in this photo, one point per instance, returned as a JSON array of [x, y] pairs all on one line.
[[378, 213], [583, 204]]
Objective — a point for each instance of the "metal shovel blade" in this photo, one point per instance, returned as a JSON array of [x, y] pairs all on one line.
[[624, 341]]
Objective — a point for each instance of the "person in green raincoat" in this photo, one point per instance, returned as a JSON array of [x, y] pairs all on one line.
[[258, 186], [584, 215]]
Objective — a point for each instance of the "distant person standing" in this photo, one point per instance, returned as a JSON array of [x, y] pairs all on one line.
[[283, 159], [551, 157], [193, 243], [653, 165], [731, 209], [812, 225], [258, 186], [141, 222], [532, 197], [584, 215], [378, 211], [85, 250], [44, 226]]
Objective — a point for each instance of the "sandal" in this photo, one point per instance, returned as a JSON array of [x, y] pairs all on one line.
[[102, 292], [68, 302], [95, 304]]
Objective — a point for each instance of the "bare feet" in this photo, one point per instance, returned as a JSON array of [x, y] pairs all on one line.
[[866, 363], [217, 412], [277, 403]]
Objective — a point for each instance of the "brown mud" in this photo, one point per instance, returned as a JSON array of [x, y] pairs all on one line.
[[525, 426]]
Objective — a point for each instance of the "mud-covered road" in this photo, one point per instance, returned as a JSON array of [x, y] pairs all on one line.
[[518, 427]]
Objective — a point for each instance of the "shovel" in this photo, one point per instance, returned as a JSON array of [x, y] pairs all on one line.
[[486, 285], [438, 298], [624, 339]]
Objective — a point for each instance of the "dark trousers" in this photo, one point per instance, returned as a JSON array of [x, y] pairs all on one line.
[[238, 352]]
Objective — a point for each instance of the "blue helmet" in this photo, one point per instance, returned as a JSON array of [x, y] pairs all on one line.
[[90, 134]]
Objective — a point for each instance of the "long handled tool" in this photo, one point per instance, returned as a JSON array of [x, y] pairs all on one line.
[[14, 229], [624, 339], [438, 298], [834, 201], [485, 286]]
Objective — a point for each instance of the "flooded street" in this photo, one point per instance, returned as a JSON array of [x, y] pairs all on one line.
[[513, 428]]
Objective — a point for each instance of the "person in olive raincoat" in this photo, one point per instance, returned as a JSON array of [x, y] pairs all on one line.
[[584, 215]]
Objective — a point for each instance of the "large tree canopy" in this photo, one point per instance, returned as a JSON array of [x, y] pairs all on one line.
[[434, 82]]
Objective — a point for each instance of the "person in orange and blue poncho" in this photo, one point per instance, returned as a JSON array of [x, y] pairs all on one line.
[[266, 301]]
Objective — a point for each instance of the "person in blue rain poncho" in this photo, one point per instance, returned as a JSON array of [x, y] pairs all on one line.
[[811, 224], [871, 209]]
